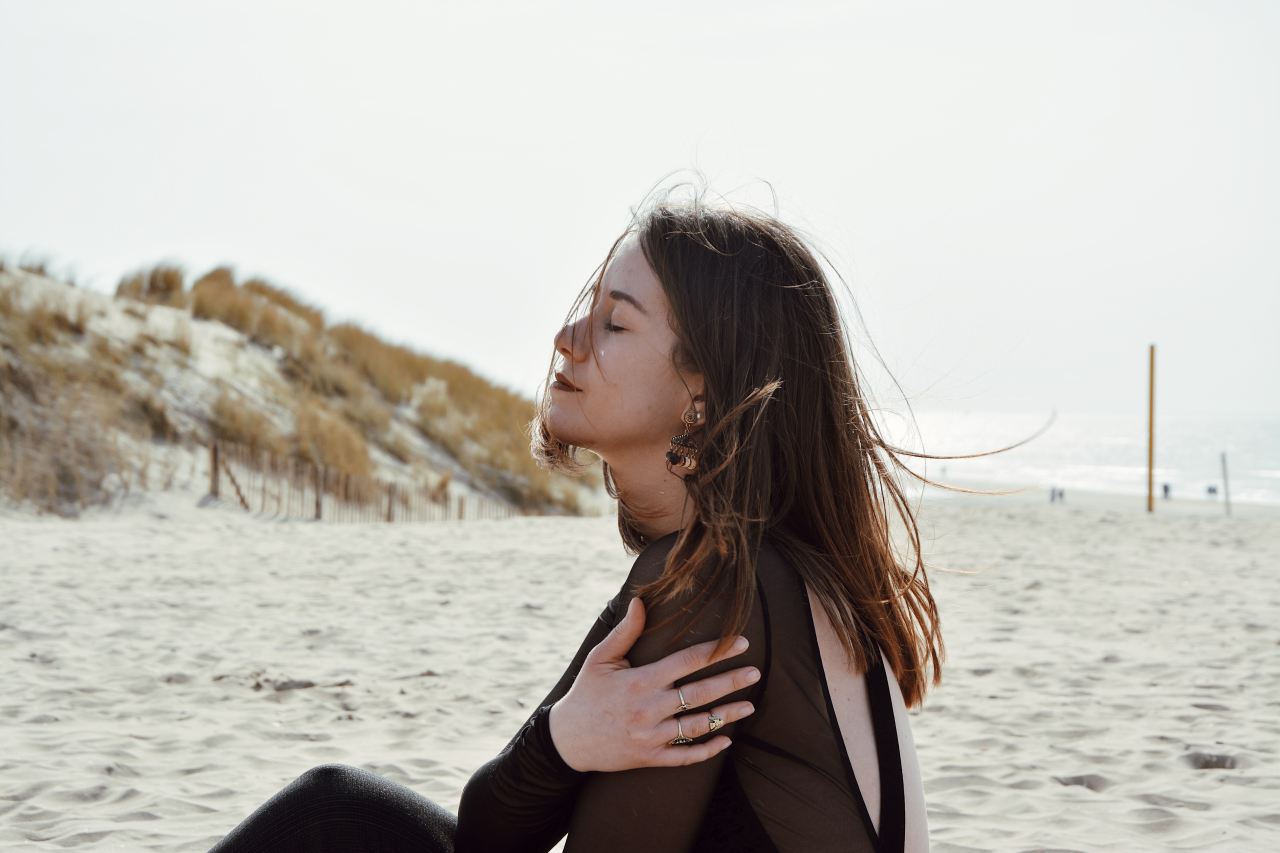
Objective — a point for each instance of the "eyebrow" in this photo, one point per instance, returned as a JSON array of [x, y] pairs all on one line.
[[627, 297]]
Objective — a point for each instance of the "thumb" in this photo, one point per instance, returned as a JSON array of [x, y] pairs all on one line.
[[619, 641]]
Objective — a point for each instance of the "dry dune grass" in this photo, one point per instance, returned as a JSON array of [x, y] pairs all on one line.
[[61, 460], [140, 343], [46, 322], [214, 296], [152, 415], [439, 421], [326, 376], [393, 370], [344, 384], [266, 314], [63, 419], [232, 420], [483, 426], [397, 447], [487, 429], [370, 414], [104, 354], [163, 284], [325, 439], [181, 340], [286, 300], [320, 436]]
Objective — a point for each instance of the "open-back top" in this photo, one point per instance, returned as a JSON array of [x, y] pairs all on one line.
[[786, 783]]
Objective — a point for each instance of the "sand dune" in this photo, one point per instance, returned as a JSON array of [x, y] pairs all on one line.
[[1113, 679]]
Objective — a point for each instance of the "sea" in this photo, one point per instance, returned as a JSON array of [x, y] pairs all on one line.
[[1097, 452]]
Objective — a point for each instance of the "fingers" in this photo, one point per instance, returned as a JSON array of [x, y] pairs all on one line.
[[695, 725], [686, 661], [619, 641], [678, 756], [711, 688]]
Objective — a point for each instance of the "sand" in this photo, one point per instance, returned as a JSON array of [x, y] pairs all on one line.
[[1112, 682]]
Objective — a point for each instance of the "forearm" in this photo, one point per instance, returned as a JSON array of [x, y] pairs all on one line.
[[522, 799]]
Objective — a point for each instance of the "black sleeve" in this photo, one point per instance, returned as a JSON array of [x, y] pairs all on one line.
[[522, 798], [662, 808]]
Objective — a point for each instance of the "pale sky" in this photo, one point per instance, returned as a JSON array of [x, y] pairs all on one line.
[[1022, 196]]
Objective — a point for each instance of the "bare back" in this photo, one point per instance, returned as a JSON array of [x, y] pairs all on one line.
[[849, 697]]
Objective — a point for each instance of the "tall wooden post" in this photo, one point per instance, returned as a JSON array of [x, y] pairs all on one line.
[[1151, 429], [1226, 489], [213, 468]]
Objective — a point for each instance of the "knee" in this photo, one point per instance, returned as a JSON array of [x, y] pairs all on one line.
[[330, 779]]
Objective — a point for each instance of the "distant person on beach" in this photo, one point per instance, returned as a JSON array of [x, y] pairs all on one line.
[[712, 374], [1165, 488]]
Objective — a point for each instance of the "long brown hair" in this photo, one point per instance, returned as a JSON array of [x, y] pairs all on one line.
[[789, 448]]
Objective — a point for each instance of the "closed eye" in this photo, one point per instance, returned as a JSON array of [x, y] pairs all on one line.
[[609, 327]]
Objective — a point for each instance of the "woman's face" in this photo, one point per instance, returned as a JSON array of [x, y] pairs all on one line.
[[630, 395]]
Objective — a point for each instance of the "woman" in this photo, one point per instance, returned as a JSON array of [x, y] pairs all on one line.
[[712, 376]]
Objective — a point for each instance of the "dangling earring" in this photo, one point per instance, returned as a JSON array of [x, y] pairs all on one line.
[[684, 451]]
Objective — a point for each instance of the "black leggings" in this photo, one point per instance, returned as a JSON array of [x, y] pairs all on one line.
[[336, 807]]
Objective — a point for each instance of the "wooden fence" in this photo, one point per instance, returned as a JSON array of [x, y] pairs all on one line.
[[287, 487]]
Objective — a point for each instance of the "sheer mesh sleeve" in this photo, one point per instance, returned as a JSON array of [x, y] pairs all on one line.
[[526, 798], [662, 808]]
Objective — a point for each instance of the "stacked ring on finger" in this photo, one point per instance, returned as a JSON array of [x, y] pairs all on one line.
[[680, 739], [714, 721]]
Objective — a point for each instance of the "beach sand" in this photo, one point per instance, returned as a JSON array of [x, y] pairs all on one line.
[[1112, 680]]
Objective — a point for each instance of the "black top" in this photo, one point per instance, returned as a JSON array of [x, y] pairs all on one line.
[[785, 784]]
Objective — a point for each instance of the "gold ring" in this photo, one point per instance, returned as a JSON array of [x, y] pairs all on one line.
[[684, 706], [679, 739], [714, 721]]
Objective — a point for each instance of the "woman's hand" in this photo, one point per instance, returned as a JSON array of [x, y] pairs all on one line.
[[616, 717]]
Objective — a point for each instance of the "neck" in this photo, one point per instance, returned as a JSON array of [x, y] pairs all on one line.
[[657, 497]]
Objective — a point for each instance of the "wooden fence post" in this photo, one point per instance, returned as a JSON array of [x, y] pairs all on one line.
[[319, 490], [391, 500], [213, 468]]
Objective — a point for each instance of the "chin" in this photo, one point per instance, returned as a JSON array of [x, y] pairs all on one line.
[[565, 433]]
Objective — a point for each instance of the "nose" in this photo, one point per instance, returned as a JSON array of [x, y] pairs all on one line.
[[571, 341]]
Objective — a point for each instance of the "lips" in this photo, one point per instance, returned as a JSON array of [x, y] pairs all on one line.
[[560, 377]]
